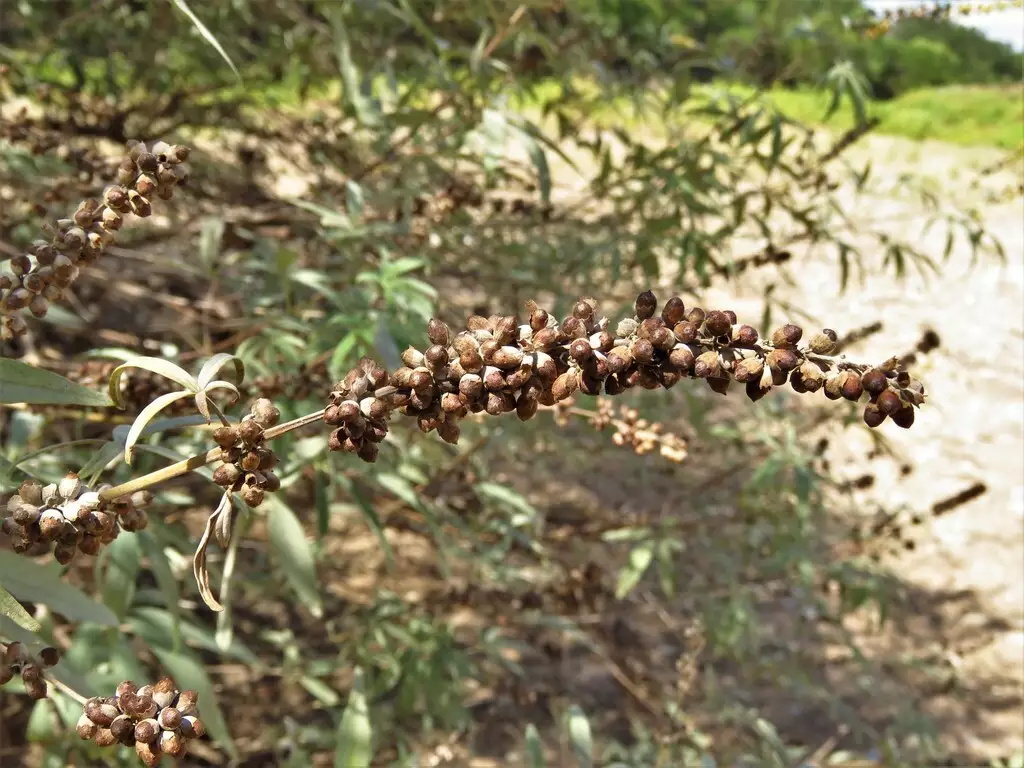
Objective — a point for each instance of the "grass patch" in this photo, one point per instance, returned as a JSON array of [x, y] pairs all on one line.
[[980, 115]]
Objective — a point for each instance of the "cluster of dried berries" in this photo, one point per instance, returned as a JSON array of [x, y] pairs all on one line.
[[498, 365], [17, 661], [641, 435], [248, 460], [70, 517], [156, 719], [358, 415], [42, 275]]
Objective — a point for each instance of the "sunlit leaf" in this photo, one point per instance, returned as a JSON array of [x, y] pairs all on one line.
[[16, 612], [293, 554], [148, 414], [355, 732], [207, 34], [580, 738], [156, 365]]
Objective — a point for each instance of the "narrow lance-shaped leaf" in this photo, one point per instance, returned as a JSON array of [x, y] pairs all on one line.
[[355, 732], [16, 612], [156, 365], [293, 554], [23, 383], [580, 738]]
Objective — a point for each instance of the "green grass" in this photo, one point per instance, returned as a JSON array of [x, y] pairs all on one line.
[[981, 115], [958, 114]]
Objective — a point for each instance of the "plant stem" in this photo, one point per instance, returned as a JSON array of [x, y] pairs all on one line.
[[66, 689], [199, 460]]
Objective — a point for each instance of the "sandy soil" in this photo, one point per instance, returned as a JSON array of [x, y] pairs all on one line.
[[968, 571]]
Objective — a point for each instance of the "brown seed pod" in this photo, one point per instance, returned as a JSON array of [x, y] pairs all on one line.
[[874, 381], [748, 369], [642, 350], [265, 413], [619, 359], [564, 386], [49, 656], [682, 357], [86, 728], [719, 385], [149, 753], [833, 387], [707, 365], [754, 390], [663, 339], [787, 337], [889, 402], [850, 385], [192, 727], [583, 310], [873, 416], [100, 711], [812, 376], [438, 332], [250, 432], [674, 311], [645, 305], [783, 360], [717, 323], [824, 343], [104, 738], [904, 417], [744, 335], [580, 350], [173, 744], [686, 332]]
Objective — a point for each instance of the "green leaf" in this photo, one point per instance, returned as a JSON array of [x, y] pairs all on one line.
[[31, 582], [207, 34], [121, 560], [534, 748], [639, 559], [23, 383], [16, 612], [508, 498], [188, 671], [155, 625], [161, 568], [369, 514], [293, 554], [580, 738], [355, 733], [156, 365], [540, 163]]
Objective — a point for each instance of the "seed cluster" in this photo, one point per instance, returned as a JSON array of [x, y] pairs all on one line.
[[642, 435], [157, 719], [498, 365], [71, 517], [248, 459], [45, 273], [17, 661]]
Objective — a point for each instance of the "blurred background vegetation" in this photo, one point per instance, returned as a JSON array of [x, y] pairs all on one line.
[[539, 594]]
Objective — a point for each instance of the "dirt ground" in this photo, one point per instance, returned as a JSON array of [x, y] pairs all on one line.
[[967, 571]]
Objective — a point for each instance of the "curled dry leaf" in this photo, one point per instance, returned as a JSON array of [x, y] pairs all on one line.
[[199, 568]]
